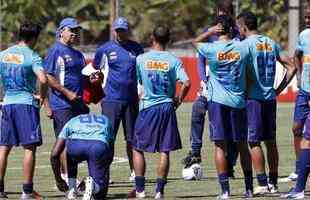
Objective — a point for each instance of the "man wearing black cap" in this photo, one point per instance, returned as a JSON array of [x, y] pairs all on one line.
[[63, 65], [117, 58]]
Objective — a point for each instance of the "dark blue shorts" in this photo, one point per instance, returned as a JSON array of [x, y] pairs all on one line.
[[227, 123], [302, 108], [262, 117], [98, 155], [125, 112], [156, 130], [62, 116], [20, 125]]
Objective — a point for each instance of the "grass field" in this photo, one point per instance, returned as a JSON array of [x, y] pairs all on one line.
[[176, 188]]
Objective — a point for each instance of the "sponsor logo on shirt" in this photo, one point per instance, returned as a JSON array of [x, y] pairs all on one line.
[[157, 65], [263, 46], [67, 58], [229, 56], [112, 55], [13, 58], [306, 59]]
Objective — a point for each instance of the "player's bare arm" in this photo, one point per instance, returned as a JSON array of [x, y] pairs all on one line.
[[298, 64], [183, 92], [290, 72], [43, 85], [54, 83], [204, 36], [58, 148]]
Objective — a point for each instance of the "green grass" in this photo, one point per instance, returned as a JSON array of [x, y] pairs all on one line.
[[176, 188]]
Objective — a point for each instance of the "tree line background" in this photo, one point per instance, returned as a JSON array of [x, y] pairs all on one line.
[[186, 18]]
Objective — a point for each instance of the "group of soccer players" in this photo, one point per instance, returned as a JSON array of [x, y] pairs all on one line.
[[237, 90]]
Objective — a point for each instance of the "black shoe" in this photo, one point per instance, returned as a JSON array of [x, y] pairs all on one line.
[[191, 159]]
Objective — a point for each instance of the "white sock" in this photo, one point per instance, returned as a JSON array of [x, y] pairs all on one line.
[[72, 183], [64, 177]]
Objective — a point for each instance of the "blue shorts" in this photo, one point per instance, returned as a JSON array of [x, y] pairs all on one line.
[[157, 130], [262, 117], [20, 125], [62, 116], [98, 155], [227, 123], [302, 108], [125, 112]]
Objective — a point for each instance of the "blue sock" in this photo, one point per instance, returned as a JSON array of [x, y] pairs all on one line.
[[160, 185], [140, 183], [297, 166], [28, 188], [248, 180], [262, 179], [304, 169], [224, 182], [273, 178], [1, 186]]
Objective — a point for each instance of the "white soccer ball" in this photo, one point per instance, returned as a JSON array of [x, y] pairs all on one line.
[[194, 172]]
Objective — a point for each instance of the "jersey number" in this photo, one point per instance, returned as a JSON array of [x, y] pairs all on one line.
[[266, 67], [92, 118], [159, 84]]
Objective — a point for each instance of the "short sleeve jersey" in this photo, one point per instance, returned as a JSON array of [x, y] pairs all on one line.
[[18, 65], [157, 72]]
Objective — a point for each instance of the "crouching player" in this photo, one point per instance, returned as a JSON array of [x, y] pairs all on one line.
[[90, 138]]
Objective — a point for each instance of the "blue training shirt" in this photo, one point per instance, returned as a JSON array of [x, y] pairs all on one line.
[[227, 63], [157, 72], [264, 53], [18, 65], [119, 60], [89, 127], [303, 45], [65, 64]]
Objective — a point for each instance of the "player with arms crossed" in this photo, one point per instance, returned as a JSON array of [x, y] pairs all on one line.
[[90, 138], [20, 67], [302, 110], [227, 60], [156, 129], [261, 99]]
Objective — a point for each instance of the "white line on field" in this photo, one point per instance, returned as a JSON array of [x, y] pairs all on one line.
[[115, 161]]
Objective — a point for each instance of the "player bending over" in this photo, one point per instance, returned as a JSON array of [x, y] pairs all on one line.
[[90, 138]]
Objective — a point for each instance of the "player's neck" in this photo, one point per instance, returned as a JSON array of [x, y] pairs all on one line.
[[224, 38], [158, 47], [250, 33]]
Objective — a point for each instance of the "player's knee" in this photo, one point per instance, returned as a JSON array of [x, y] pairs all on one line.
[[254, 144], [305, 143], [297, 130]]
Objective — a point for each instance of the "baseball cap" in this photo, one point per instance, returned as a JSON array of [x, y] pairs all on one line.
[[69, 22], [120, 23]]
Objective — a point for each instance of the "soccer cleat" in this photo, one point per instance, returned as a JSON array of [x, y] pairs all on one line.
[[159, 195], [191, 159], [3, 195], [34, 195], [248, 194], [132, 176], [292, 177], [273, 188], [294, 195], [137, 195], [261, 190], [89, 187], [72, 195], [223, 196]]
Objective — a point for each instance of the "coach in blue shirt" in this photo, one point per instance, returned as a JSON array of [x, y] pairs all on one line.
[[117, 58], [63, 65]]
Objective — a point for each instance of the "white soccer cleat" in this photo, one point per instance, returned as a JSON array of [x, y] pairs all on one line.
[[132, 176], [292, 177], [261, 190], [159, 195], [294, 195], [140, 195], [26, 196], [223, 196], [89, 188], [273, 188], [72, 194]]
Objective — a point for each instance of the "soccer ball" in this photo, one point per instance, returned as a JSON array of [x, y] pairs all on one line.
[[194, 172]]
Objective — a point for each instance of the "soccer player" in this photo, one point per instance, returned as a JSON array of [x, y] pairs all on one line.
[[87, 137], [301, 114], [261, 99], [302, 109], [156, 129], [63, 65], [20, 67], [227, 60], [117, 58], [201, 103]]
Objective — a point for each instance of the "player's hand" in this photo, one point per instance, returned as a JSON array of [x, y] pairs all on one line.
[[216, 29], [62, 185], [39, 99], [72, 96], [49, 112], [176, 102]]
